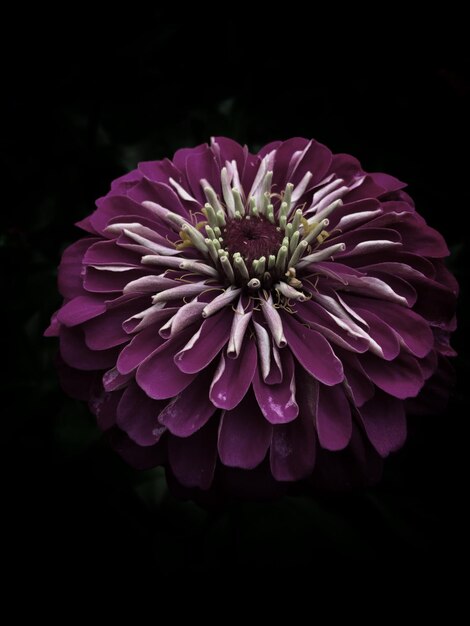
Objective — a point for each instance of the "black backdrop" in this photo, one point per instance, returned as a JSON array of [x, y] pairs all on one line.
[[86, 100]]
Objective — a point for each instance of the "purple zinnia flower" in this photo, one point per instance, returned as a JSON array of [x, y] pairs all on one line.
[[231, 309]]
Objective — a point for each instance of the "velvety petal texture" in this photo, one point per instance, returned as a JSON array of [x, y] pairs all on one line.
[[267, 314]]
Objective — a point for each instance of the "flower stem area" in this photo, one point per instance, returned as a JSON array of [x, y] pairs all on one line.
[[70, 498]]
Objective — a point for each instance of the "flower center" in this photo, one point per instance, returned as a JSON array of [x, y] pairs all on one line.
[[258, 242], [252, 237]]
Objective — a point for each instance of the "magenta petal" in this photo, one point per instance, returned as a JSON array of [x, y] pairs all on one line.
[[165, 196], [53, 330], [136, 456], [112, 206], [317, 159], [233, 377], [191, 409], [158, 375], [226, 149], [401, 378], [112, 380], [137, 416], [69, 278], [193, 459], [244, 435], [109, 253], [278, 402], [158, 171], [141, 346], [76, 354], [80, 309], [359, 383], [104, 406], [385, 423], [292, 454], [284, 155], [382, 334], [312, 351], [318, 319], [421, 238], [334, 424], [105, 331], [206, 344], [106, 281], [408, 325], [76, 383], [202, 166]]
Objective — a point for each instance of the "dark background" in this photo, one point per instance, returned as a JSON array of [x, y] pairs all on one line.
[[84, 101]]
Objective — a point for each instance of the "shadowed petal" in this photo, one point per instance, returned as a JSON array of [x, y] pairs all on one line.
[[292, 454], [402, 378], [385, 423], [334, 425], [193, 459], [137, 416], [244, 435]]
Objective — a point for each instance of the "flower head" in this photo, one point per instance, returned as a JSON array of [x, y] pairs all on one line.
[[230, 309]]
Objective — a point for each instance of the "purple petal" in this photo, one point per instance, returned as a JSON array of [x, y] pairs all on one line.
[[381, 333], [109, 253], [80, 309], [137, 416], [104, 406], [385, 423], [112, 380], [141, 346], [76, 354], [206, 344], [317, 318], [202, 166], [233, 377], [185, 316], [70, 279], [158, 171], [316, 159], [346, 167], [113, 206], [401, 378], [284, 154], [409, 326], [292, 454], [313, 352], [278, 402], [367, 189], [158, 375], [193, 459], [106, 331], [389, 183], [244, 435], [359, 383], [191, 409], [76, 383], [106, 281], [334, 424], [136, 456], [421, 238], [226, 149]]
